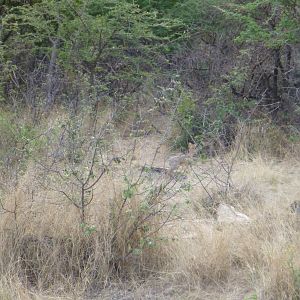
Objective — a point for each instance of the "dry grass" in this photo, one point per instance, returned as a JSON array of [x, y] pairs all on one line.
[[266, 139], [44, 246], [45, 251], [263, 256]]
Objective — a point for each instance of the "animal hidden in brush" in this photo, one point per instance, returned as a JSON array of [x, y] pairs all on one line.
[[176, 161]]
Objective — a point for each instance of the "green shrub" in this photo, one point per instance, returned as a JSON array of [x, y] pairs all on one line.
[[19, 141]]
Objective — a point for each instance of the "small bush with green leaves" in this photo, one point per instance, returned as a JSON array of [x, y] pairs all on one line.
[[212, 123], [19, 142]]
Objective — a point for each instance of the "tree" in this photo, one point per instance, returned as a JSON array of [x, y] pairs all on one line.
[[272, 27], [112, 43]]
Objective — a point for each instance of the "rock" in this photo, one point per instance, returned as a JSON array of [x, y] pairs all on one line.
[[228, 214]]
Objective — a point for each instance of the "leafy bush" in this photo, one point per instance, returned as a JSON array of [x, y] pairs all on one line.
[[212, 124], [18, 143], [112, 43]]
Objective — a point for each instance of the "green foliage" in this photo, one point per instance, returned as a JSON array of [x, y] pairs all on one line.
[[88, 229], [273, 23], [18, 142], [115, 42], [161, 6], [296, 274], [214, 121], [129, 192], [201, 15], [252, 297], [187, 120]]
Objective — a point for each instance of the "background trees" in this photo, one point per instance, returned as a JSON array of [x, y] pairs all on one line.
[[238, 53]]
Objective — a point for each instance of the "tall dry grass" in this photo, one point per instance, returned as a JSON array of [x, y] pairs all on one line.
[[46, 247], [266, 139], [259, 260], [46, 251]]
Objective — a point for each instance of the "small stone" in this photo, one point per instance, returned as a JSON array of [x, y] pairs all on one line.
[[228, 214]]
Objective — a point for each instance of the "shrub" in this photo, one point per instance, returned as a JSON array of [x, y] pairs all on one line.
[[19, 142]]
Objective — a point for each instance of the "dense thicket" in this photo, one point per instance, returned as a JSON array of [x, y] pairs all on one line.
[[228, 57]]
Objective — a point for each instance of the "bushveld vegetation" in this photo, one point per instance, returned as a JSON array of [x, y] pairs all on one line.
[[125, 126]]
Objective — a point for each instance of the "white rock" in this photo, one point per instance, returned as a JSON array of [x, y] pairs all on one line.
[[228, 214]]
